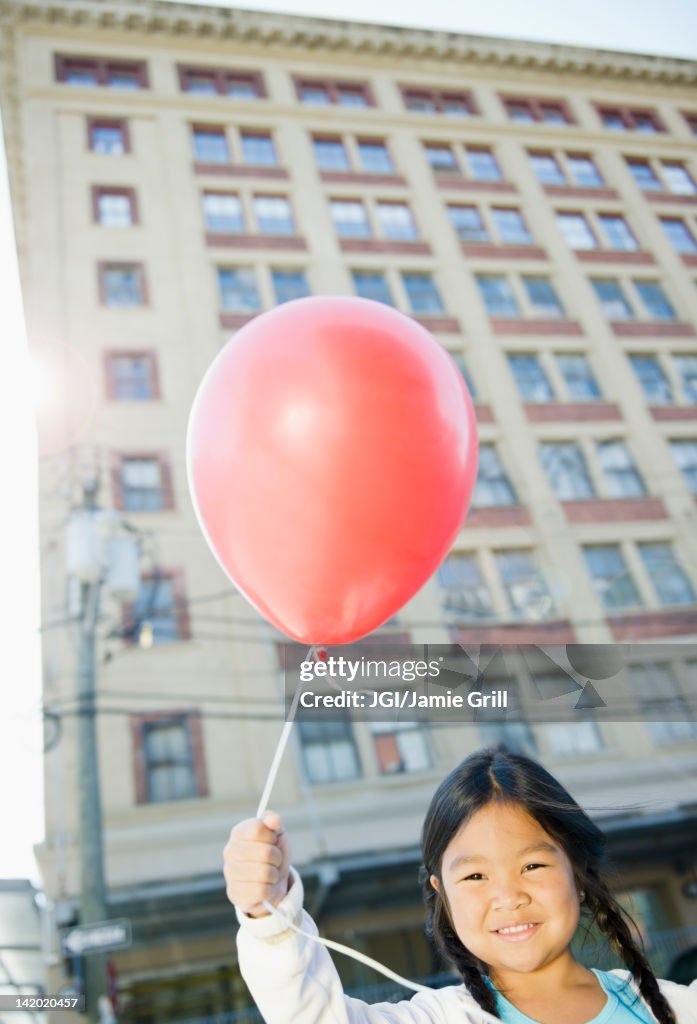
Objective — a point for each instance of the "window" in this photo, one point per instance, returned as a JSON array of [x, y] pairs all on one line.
[[170, 770], [274, 215], [400, 747], [527, 111], [330, 154], [144, 484], [493, 488], [211, 146], [621, 475], [644, 175], [612, 299], [122, 284], [114, 207], [655, 300], [466, 375], [258, 149], [611, 579], [468, 223], [659, 697], [572, 739], [464, 594], [223, 212], [131, 376], [243, 85], [424, 298], [374, 157], [108, 137], [498, 296], [515, 735], [482, 164], [578, 375], [396, 221], [617, 232], [668, 578], [437, 101], [583, 171], [623, 119], [350, 218], [687, 371], [441, 158], [525, 587], [511, 227], [546, 169], [684, 453], [372, 284], [329, 751], [238, 290], [653, 380], [533, 383], [576, 231], [678, 179], [161, 607], [565, 466], [543, 298], [679, 235], [324, 92], [289, 284], [91, 72]]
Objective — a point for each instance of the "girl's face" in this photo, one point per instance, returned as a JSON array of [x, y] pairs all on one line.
[[511, 891]]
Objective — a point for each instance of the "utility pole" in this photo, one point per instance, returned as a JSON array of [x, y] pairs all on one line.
[[88, 557]]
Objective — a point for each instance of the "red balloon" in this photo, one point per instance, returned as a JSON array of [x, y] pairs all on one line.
[[332, 453]]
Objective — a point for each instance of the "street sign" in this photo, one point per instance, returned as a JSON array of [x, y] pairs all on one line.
[[97, 938]]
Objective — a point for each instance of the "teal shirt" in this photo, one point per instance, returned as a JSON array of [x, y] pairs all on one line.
[[623, 1005]]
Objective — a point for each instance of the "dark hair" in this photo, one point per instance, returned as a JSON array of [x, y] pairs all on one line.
[[502, 776]]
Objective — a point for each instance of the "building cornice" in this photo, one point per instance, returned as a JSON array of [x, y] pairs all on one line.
[[160, 17]]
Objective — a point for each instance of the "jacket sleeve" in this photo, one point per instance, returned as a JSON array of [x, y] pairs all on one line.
[[294, 981]]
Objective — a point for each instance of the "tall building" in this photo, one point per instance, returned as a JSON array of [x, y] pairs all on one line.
[[175, 170]]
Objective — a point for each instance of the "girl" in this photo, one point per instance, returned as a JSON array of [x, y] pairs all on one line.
[[510, 863]]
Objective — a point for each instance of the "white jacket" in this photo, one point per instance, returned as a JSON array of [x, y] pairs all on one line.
[[294, 981]]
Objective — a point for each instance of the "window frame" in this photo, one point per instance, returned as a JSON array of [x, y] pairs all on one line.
[[221, 77], [111, 377], [138, 724], [104, 266], [103, 67]]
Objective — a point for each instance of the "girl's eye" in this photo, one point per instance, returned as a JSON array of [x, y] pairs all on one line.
[[531, 867], [476, 876]]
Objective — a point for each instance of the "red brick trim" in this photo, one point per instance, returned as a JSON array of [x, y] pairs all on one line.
[[545, 412], [673, 412], [483, 413], [333, 87], [241, 171], [670, 197], [234, 321], [439, 324], [577, 192], [689, 259], [359, 178], [627, 114], [163, 458], [219, 239], [645, 625], [137, 722], [515, 325], [559, 631], [130, 192], [535, 105], [611, 510], [471, 185], [109, 122], [613, 256], [382, 246], [221, 77], [487, 251], [653, 329], [102, 67], [437, 96], [109, 355], [498, 516]]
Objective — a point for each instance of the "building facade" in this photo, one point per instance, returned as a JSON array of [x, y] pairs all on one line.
[[175, 170]]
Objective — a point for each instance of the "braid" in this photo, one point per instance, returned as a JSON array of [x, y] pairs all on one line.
[[440, 930], [612, 921]]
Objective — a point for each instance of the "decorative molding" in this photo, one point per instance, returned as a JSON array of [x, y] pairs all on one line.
[[157, 17]]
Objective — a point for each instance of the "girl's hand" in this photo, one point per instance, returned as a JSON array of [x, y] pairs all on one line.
[[256, 862]]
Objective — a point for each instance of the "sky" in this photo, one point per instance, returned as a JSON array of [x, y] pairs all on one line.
[[667, 27]]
